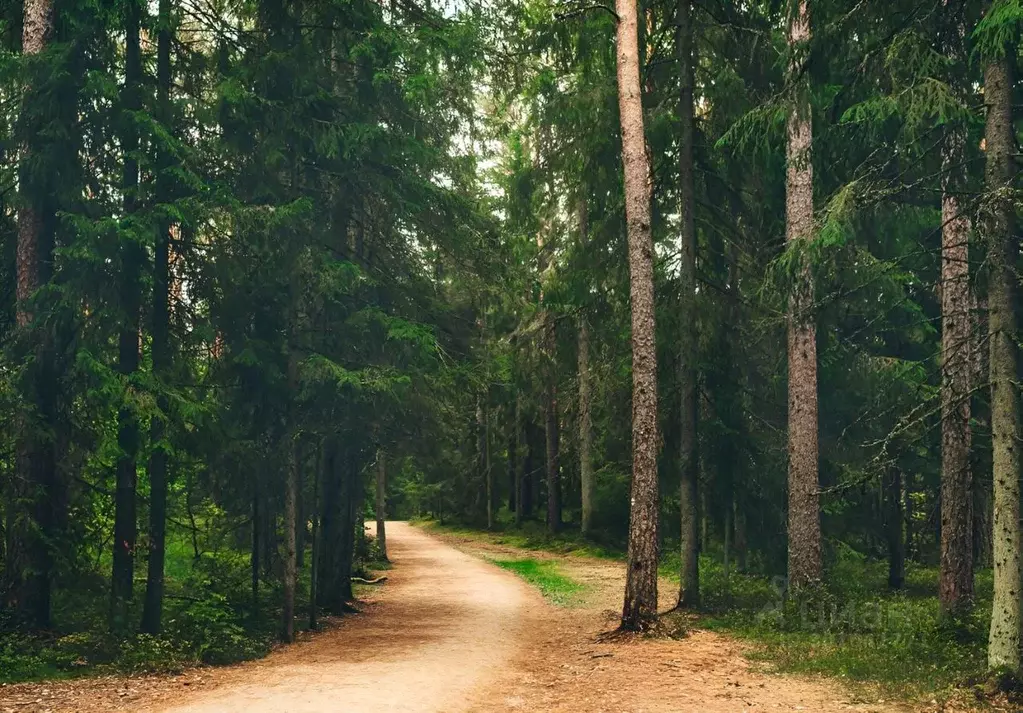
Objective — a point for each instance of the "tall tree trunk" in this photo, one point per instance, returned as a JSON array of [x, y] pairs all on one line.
[[290, 545], [361, 549], [292, 486], [254, 556], [31, 512], [553, 456], [330, 527], [125, 519], [741, 544], [893, 528], [152, 610], [689, 589], [487, 469], [1003, 250], [955, 585], [586, 482], [381, 503], [513, 463], [528, 466], [804, 526], [521, 462], [314, 565], [908, 513], [640, 606]]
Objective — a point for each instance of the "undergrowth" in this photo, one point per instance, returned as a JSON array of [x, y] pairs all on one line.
[[209, 618]]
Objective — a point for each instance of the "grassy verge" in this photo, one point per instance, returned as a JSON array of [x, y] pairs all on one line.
[[532, 536], [545, 575], [854, 628]]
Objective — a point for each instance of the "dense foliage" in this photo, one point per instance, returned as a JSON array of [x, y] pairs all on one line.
[[259, 255]]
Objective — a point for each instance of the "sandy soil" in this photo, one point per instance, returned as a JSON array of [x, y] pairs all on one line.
[[449, 632]]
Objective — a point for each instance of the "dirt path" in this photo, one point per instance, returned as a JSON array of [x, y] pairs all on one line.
[[444, 626], [452, 633], [565, 670]]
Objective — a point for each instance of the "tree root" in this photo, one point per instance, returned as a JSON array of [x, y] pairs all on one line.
[[377, 580]]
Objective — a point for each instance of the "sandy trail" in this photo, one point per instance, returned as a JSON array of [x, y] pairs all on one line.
[[444, 626], [451, 633]]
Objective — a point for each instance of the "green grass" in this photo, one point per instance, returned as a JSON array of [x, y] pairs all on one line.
[[532, 536], [544, 575]]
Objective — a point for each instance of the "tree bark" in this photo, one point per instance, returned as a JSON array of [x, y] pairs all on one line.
[[689, 589], [512, 445], [553, 456], [314, 565], [1003, 249], [739, 518], [254, 556], [640, 606], [529, 464], [31, 511], [290, 545], [955, 585], [381, 503], [125, 519], [487, 469], [152, 610], [804, 529], [520, 462], [586, 482]]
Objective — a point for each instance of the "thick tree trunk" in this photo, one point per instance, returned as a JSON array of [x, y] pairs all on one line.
[[955, 586], [689, 589], [152, 611], [125, 519], [640, 606], [349, 506], [804, 528], [1003, 250], [381, 503], [893, 528], [338, 529]]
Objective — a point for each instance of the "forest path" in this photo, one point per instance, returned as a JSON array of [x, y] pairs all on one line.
[[449, 632], [442, 629]]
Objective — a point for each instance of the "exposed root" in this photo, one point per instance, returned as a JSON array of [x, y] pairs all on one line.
[[377, 580]]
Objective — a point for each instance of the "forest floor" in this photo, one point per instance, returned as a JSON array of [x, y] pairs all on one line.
[[450, 631]]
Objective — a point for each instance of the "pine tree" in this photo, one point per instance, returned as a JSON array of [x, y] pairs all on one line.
[[640, 606], [689, 593], [804, 509], [1003, 246]]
